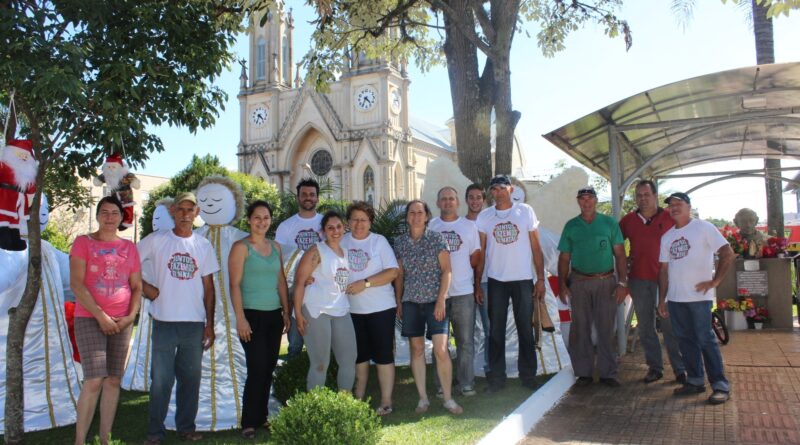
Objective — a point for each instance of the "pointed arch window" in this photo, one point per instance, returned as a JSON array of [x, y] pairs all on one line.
[[369, 186], [261, 59]]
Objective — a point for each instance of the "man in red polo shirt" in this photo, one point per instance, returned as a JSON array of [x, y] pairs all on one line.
[[644, 227]]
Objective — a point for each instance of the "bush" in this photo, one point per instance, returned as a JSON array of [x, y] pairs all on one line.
[[322, 417], [290, 378]]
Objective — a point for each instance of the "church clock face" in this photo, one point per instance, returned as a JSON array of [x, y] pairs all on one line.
[[259, 115], [366, 97], [397, 101]]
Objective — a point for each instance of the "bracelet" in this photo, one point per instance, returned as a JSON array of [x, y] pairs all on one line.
[[623, 284]]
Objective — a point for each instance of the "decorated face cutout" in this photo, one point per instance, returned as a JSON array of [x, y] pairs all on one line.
[[162, 220], [518, 195], [44, 213], [217, 204]]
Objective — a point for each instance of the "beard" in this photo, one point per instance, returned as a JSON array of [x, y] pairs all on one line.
[[24, 171], [114, 177]]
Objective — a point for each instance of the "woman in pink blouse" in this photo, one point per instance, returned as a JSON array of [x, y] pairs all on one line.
[[106, 278]]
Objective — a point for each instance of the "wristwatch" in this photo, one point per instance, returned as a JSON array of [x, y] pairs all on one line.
[[367, 284]]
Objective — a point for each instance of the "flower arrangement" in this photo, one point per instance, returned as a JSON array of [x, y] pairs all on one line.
[[775, 245], [758, 314], [739, 245], [736, 305]]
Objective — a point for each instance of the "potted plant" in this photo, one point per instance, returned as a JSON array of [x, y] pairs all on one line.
[[734, 312], [757, 315]]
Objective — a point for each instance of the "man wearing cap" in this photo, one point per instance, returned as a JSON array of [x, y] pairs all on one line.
[[183, 317], [686, 283], [644, 227], [591, 248], [510, 237]]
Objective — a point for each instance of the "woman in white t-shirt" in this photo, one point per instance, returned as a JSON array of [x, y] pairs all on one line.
[[373, 308], [322, 310]]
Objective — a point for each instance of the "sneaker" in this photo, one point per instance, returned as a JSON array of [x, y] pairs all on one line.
[[688, 390], [584, 381], [468, 391], [719, 397], [652, 376], [611, 382], [681, 378]]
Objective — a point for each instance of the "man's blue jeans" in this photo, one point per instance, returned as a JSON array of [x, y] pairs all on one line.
[[520, 293], [691, 323], [482, 310], [177, 354], [645, 302]]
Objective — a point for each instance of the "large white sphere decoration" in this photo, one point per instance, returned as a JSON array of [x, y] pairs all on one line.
[[217, 204], [162, 220]]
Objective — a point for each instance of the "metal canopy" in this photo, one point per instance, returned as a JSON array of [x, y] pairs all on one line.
[[751, 112]]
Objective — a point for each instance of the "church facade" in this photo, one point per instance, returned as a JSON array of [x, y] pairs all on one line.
[[360, 135]]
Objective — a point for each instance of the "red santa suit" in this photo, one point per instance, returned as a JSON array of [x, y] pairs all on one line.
[[15, 200]]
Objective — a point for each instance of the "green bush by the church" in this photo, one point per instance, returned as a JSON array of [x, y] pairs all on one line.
[[290, 377], [322, 416]]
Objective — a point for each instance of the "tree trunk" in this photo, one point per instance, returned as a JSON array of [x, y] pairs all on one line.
[[504, 20], [765, 53], [18, 319], [471, 102]]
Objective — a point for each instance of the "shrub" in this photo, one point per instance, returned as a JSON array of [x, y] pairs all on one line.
[[290, 378], [323, 417]]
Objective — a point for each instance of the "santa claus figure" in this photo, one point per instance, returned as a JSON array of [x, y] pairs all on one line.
[[17, 186], [120, 182]]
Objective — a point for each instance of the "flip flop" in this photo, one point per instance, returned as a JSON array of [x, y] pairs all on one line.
[[384, 410], [422, 406]]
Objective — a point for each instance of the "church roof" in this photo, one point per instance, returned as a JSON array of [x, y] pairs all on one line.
[[430, 133]]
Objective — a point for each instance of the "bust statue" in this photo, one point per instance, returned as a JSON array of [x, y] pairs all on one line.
[[746, 220]]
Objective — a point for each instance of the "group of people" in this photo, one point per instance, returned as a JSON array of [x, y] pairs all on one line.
[[342, 291]]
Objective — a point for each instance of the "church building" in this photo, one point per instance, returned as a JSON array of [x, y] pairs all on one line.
[[361, 135]]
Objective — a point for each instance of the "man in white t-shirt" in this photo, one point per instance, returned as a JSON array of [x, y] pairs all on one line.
[[510, 239], [686, 285], [182, 296], [463, 243], [297, 234]]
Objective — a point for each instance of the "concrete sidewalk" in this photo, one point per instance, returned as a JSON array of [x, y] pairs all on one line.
[[762, 366]]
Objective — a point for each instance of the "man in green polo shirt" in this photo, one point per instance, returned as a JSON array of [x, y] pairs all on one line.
[[591, 246]]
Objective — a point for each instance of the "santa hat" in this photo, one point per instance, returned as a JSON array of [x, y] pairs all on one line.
[[22, 144], [116, 157]]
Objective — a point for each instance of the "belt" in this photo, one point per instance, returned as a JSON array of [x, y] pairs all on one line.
[[580, 276]]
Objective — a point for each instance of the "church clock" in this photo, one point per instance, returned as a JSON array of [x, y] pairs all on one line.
[[366, 97]]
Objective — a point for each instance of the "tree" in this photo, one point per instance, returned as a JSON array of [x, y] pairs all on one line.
[[89, 78], [399, 30]]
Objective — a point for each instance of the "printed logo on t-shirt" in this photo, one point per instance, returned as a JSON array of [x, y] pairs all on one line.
[[306, 238], [358, 259], [679, 248], [341, 277], [506, 232], [182, 266], [453, 240]]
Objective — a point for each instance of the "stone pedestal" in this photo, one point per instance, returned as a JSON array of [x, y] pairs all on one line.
[[779, 299]]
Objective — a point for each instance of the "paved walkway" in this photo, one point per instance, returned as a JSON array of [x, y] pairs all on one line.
[[762, 366]]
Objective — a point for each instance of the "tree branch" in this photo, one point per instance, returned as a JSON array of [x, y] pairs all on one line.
[[484, 21], [461, 27]]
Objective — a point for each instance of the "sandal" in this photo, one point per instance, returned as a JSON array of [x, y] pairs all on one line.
[[422, 406], [190, 436], [384, 410], [453, 407], [249, 433]]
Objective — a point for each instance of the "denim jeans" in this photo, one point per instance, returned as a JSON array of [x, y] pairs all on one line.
[[483, 311], [691, 323], [177, 355], [461, 312], [293, 336], [520, 293], [645, 301]]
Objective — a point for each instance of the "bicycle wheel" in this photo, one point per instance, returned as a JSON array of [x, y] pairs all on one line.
[[718, 325]]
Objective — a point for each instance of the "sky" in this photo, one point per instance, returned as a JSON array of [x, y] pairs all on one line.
[[593, 71]]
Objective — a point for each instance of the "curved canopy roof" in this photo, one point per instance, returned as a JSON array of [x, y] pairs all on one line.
[[751, 112]]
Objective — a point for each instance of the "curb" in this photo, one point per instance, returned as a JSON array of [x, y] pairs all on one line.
[[523, 419]]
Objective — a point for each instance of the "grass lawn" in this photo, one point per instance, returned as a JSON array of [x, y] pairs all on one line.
[[482, 412]]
